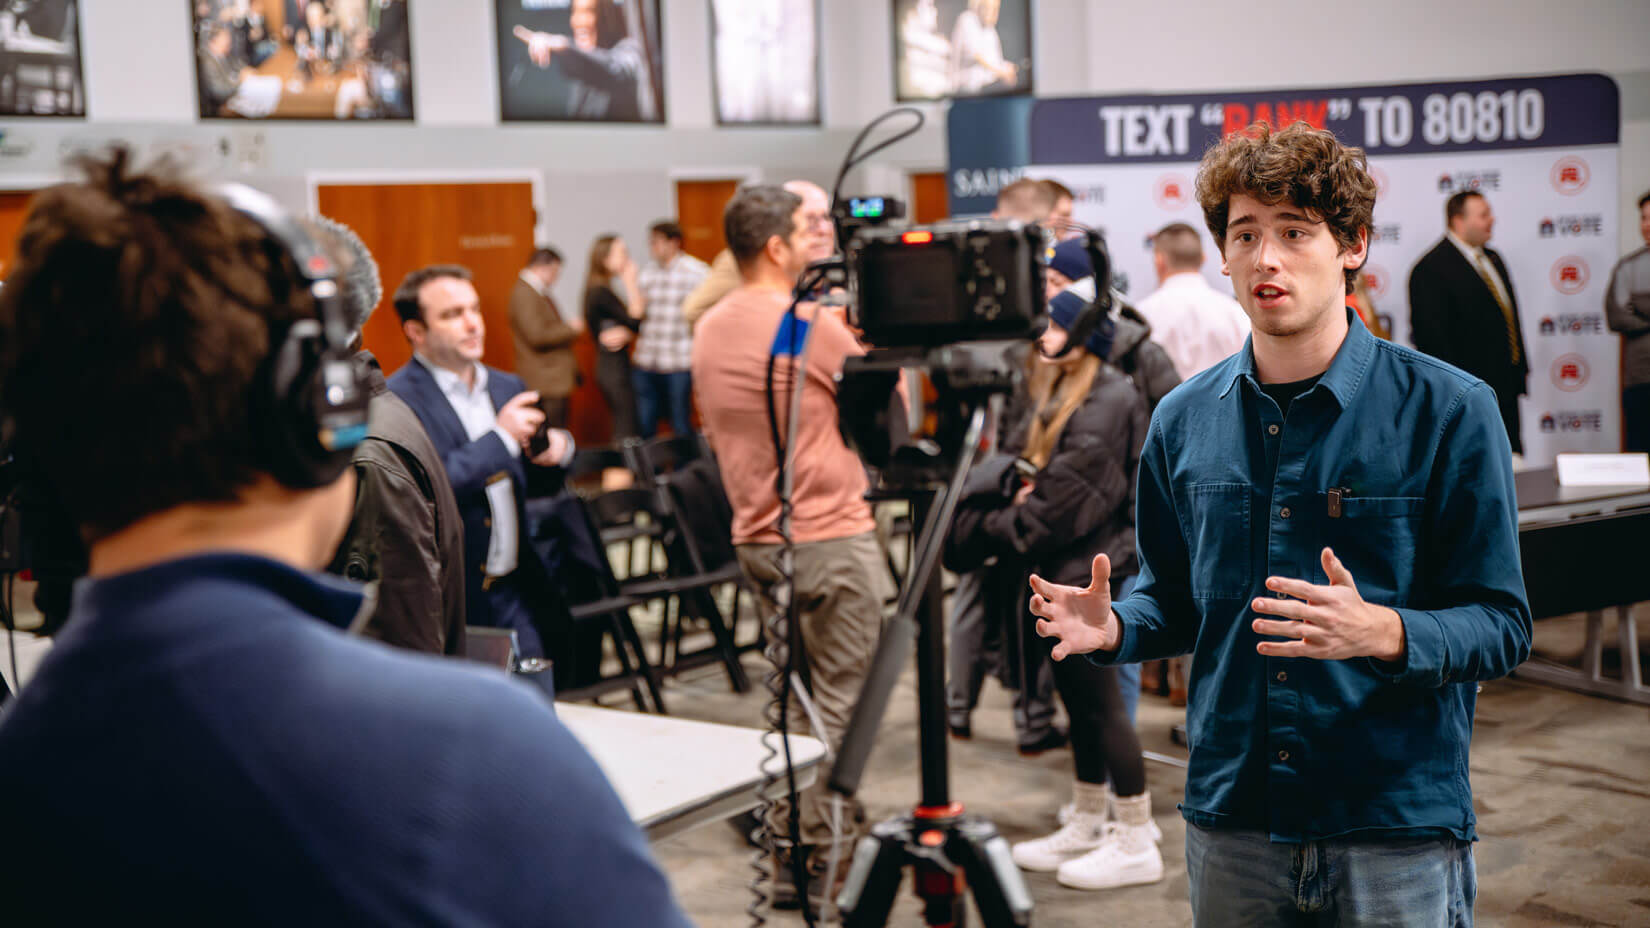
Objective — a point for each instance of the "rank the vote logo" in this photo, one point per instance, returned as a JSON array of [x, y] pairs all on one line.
[[1469, 180], [1590, 225], [1570, 275], [1573, 420], [1573, 324], [1570, 175]]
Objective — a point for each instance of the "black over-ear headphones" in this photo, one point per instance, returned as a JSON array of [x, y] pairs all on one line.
[[312, 396]]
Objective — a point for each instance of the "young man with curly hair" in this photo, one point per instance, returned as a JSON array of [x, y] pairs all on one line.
[[203, 736], [1326, 522]]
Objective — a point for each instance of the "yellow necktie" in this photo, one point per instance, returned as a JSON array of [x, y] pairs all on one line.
[[1488, 273]]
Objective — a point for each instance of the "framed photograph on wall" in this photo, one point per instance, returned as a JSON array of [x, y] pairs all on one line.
[[580, 61], [302, 59], [40, 73], [765, 62], [961, 48]]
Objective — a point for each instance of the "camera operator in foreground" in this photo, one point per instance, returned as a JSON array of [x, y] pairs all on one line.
[[1080, 421], [204, 740], [1326, 521], [840, 581]]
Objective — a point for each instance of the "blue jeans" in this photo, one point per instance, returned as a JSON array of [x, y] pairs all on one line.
[[655, 392], [1241, 879]]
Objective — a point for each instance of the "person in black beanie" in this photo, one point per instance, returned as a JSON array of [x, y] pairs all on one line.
[[1081, 423]]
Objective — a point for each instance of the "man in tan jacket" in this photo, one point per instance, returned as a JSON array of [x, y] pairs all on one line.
[[544, 337]]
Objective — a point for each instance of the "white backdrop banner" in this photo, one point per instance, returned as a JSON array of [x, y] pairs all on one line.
[[1543, 151]]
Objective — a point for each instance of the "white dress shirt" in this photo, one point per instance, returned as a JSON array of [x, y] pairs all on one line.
[[476, 412], [1197, 326]]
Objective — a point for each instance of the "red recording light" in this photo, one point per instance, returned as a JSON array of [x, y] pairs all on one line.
[[917, 238]]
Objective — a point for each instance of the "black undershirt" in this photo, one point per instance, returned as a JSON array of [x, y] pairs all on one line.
[[1284, 393]]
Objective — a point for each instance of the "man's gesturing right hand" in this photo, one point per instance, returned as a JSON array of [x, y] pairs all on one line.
[[1081, 618]]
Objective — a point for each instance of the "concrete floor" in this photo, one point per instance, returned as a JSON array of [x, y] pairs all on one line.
[[1561, 780], [1561, 783]]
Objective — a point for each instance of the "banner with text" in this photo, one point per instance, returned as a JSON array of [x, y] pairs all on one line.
[[1544, 152]]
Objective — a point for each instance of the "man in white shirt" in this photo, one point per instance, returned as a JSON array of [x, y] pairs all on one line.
[[661, 368], [482, 421], [1194, 323]]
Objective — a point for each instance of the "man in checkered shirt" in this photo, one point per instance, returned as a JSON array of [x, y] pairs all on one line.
[[664, 349]]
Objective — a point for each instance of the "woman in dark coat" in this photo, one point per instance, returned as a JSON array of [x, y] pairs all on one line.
[[614, 322], [1081, 425]]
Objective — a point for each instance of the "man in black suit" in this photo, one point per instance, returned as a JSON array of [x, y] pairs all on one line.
[[482, 421], [1462, 309]]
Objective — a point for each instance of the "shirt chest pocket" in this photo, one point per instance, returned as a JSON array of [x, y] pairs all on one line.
[[1217, 539], [1378, 538]]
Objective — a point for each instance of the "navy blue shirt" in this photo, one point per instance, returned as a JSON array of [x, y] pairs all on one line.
[[1231, 493], [201, 743]]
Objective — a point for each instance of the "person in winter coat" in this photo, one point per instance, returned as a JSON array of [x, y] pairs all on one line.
[[1082, 427]]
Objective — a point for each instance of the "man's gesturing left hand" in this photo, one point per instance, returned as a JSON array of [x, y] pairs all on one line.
[[1332, 623]]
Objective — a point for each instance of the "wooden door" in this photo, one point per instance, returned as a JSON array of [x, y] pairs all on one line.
[[487, 227], [14, 205], [930, 201], [699, 205]]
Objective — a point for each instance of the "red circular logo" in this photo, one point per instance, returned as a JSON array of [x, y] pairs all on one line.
[[1570, 175], [1375, 278], [1172, 192], [1570, 372], [1570, 275]]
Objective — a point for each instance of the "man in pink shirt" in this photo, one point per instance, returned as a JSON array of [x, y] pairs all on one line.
[[840, 582], [1194, 323]]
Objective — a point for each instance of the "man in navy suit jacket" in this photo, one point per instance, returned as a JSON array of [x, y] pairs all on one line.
[[482, 421]]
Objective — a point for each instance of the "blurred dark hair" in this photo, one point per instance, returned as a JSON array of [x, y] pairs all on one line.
[[755, 215], [1456, 206], [667, 228], [406, 295], [135, 331]]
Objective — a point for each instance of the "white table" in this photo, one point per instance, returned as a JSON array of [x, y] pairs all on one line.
[[674, 774]]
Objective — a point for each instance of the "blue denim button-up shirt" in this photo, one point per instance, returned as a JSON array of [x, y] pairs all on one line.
[[1231, 493]]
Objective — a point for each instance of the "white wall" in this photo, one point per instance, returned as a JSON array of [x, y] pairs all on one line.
[[140, 86]]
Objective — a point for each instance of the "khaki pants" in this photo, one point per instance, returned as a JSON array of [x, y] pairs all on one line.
[[840, 588]]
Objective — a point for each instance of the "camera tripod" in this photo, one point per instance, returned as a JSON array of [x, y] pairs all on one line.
[[950, 853]]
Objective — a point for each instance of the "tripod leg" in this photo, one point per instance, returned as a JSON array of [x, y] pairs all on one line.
[[999, 890], [873, 879]]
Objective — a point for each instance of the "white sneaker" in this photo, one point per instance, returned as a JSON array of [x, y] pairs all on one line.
[[1069, 809], [1082, 834], [1127, 857]]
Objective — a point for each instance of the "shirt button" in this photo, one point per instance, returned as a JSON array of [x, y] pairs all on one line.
[[1271, 430], [1283, 756], [1281, 594], [1284, 512], [1282, 676]]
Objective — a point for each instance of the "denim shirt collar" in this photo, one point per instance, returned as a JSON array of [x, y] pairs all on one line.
[[1344, 376]]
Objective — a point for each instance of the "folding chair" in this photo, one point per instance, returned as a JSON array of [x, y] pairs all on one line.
[[610, 604]]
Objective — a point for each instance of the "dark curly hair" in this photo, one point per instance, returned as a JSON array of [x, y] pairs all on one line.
[[134, 328], [1301, 165]]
